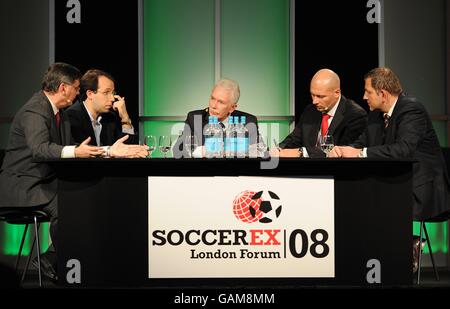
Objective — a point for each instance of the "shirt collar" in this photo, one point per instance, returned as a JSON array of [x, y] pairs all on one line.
[[332, 111], [54, 108], [391, 110], [90, 116]]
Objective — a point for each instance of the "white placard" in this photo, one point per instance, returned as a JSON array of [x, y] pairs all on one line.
[[241, 227]]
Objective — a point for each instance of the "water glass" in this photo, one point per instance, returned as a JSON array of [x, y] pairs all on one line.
[[150, 141], [261, 146], [165, 143], [326, 143], [190, 144]]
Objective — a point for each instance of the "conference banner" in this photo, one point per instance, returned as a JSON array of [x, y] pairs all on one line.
[[241, 227]]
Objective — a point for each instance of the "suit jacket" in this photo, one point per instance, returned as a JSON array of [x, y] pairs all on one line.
[[410, 134], [33, 136], [348, 123], [81, 126], [196, 121]]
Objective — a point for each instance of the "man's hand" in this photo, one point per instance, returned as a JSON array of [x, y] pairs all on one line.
[[289, 153], [274, 152], [84, 150], [121, 108], [121, 150], [344, 152]]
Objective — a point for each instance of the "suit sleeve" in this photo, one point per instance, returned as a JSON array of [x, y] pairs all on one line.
[[178, 148], [294, 139], [118, 132], [75, 127], [354, 128], [411, 129], [361, 141], [36, 128], [253, 131]]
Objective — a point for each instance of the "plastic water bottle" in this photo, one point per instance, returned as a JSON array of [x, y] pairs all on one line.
[[218, 139], [242, 139], [208, 132], [235, 140], [230, 139]]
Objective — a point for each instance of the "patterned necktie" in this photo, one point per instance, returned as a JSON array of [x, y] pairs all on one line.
[[386, 120], [58, 119], [324, 127]]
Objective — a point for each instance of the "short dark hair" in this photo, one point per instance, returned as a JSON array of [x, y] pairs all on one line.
[[384, 78], [59, 73], [89, 81]]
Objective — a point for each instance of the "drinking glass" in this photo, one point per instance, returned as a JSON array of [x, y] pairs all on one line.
[[326, 143], [261, 146], [150, 141], [191, 143], [165, 143], [275, 143]]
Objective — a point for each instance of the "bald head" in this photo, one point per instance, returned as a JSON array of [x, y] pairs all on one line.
[[327, 78], [325, 90]]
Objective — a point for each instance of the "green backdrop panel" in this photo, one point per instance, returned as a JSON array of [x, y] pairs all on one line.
[[11, 236], [178, 56], [255, 52]]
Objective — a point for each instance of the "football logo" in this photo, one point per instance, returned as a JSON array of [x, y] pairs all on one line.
[[262, 206]]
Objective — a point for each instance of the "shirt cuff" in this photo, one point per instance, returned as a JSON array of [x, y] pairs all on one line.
[[68, 152], [128, 130], [363, 153], [198, 152], [305, 152]]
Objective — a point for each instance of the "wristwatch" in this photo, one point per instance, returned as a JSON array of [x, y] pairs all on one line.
[[128, 122]]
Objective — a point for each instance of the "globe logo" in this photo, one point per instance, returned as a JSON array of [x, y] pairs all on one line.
[[262, 206], [242, 204]]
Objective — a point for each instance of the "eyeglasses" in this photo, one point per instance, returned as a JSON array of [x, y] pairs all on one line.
[[106, 93], [76, 88]]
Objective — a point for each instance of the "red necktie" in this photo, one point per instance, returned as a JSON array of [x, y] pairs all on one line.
[[58, 119], [324, 128]]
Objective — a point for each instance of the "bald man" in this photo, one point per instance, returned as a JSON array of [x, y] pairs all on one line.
[[330, 114]]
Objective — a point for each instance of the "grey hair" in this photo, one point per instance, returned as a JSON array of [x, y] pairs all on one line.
[[231, 86]]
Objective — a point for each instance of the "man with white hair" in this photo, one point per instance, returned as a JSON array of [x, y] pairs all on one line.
[[222, 104]]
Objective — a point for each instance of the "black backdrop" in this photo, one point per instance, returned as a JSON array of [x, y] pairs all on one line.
[[106, 39], [335, 35], [329, 34]]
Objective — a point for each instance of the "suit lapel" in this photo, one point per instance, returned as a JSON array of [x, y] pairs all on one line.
[[65, 129], [378, 131], [55, 134], [391, 129], [87, 123], [338, 116], [311, 131]]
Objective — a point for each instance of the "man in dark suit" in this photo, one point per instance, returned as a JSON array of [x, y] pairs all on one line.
[[400, 127], [40, 130], [330, 114], [100, 113], [222, 104]]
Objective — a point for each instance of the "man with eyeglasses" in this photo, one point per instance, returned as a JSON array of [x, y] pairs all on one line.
[[40, 130], [100, 113]]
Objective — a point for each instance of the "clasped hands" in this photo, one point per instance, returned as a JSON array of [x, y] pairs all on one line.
[[117, 150], [336, 152], [344, 152]]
